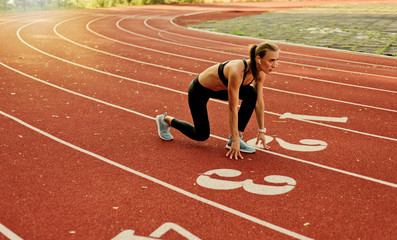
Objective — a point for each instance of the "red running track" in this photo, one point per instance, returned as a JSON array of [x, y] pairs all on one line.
[[81, 159]]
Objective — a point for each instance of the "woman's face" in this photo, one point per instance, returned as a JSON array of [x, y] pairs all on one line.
[[268, 63]]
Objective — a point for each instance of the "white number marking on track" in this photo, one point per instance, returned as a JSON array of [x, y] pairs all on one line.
[[205, 180], [130, 234], [307, 145]]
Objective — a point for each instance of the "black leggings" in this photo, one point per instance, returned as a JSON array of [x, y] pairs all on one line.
[[198, 98]]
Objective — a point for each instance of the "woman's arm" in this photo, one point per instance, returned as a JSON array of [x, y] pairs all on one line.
[[260, 109], [234, 81]]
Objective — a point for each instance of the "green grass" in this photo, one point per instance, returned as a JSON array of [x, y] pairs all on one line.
[[368, 28]]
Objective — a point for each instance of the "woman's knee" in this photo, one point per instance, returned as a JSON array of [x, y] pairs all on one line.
[[202, 137]]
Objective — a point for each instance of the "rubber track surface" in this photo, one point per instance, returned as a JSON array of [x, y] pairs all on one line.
[[81, 159]]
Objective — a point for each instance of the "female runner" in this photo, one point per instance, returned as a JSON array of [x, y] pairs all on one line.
[[229, 81]]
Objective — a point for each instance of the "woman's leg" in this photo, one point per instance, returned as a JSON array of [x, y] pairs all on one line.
[[248, 95], [198, 98]]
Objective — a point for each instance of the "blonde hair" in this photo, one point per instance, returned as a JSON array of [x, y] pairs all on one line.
[[259, 50]]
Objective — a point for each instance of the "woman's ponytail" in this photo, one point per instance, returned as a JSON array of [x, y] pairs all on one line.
[[259, 50], [252, 66]]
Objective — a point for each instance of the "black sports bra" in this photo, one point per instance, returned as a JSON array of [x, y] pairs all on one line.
[[224, 79]]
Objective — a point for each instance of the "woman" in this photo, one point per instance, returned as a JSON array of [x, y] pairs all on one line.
[[228, 81]]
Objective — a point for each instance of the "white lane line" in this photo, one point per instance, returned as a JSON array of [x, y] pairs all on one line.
[[79, 94], [111, 54], [88, 68], [214, 136], [314, 118], [168, 42], [137, 46], [332, 100], [345, 61], [162, 183], [158, 86], [8, 233], [8, 21], [172, 21], [336, 83], [292, 63]]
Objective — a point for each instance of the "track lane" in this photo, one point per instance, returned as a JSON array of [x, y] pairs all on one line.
[[381, 97], [188, 161], [351, 85], [221, 128], [246, 166], [215, 149], [76, 186], [161, 40], [119, 52]]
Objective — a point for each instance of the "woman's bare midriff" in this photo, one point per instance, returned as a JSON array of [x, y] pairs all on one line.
[[210, 79]]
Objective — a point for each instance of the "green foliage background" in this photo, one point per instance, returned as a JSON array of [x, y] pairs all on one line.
[[12, 6]]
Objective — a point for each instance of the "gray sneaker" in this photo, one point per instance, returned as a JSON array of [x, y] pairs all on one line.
[[245, 148], [163, 127]]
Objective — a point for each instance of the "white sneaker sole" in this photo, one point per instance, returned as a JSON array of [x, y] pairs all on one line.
[[158, 129]]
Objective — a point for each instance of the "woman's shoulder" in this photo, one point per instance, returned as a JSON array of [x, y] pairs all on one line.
[[236, 66], [237, 61]]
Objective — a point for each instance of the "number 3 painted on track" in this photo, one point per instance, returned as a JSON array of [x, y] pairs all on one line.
[[205, 180]]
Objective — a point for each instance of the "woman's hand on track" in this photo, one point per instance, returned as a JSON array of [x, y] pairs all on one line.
[[262, 138], [234, 151]]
